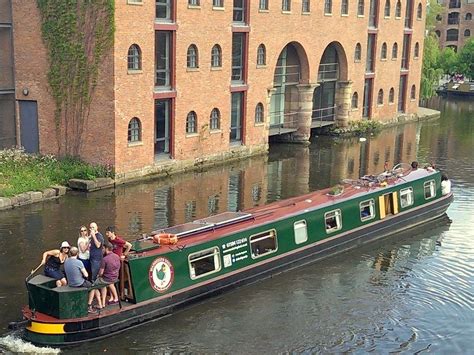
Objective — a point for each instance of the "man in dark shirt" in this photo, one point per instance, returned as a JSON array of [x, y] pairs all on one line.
[[96, 250], [108, 274], [121, 247]]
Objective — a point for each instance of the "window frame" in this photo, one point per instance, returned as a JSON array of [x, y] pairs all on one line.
[[409, 192], [192, 57], [383, 51], [380, 97], [371, 205], [344, 7], [387, 9], [355, 98], [337, 216], [216, 56], [305, 6], [431, 183], [191, 123], [261, 55], [360, 8], [259, 113], [134, 131], [168, 6], [134, 60], [215, 252], [328, 7], [358, 52], [300, 241], [263, 5], [216, 118], [271, 233], [286, 5]]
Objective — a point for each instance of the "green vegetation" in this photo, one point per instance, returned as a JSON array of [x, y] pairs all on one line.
[[20, 172], [78, 34], [357, 128]]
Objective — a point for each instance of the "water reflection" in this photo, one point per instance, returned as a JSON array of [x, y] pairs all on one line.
[[406, 293]]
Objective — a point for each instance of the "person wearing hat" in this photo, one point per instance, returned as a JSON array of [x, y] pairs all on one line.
[[52, 261]]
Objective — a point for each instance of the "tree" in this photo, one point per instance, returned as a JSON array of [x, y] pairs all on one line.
[[466, 59], [431, 71], [433, 10], [449, 61]]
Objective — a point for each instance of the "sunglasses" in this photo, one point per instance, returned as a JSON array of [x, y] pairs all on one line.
[[83, 230]]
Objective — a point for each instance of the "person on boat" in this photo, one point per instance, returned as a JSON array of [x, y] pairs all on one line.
[[95, 250], [52, 261], [108, 274], [76, 275], [83, 244], [445, 185], [414, 165], [121, 247]]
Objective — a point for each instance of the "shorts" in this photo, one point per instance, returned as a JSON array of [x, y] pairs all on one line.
[[54, 273], [100, 281], [86, 284]]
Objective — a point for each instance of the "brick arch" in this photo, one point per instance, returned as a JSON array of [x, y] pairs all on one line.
[[303, 60], [342, 59]]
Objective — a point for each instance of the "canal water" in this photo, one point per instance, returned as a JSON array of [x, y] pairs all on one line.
[[413, 292]]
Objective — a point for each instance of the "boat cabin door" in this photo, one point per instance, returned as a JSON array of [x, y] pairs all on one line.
[[388, 204]]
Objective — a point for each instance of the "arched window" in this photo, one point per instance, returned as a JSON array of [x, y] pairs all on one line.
[[215, 120], [191, 123], [355, 100], [358, 52], [417, 50], [395, 51], [398, 9], [134, 58], [192, 58], [467, 33], [134, 130], [391, 96], [259, 113], [386, 11], [345, 7], [380, 97], [383, 53], [419, 11], [261, 55], [413, 92], [328, 6], [452, 34], [438, 33], [439, 18], [216, 56], [468, 16], [360, 8]]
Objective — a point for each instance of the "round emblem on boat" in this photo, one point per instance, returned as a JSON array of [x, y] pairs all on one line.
[[161, 274]]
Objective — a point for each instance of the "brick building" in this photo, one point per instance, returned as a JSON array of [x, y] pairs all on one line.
[[190, 82], [455, 26]]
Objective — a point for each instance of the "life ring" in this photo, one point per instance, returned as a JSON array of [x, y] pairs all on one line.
[[165, 239]]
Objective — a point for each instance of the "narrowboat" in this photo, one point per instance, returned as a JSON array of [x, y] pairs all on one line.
[[176, 266]]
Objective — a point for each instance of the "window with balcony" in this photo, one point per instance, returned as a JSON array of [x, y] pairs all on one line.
[[238, 43], [163, 60], [164, 10]]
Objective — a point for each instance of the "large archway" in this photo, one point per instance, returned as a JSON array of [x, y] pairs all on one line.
[[329, 96], [292, 70]]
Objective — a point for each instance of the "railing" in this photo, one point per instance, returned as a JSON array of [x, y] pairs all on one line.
[[287, 74], [328, 72], [324, 114]]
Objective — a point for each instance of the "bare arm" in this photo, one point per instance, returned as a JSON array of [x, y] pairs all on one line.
[[84, 272], [127, 246], [94, 238], [47, 254]]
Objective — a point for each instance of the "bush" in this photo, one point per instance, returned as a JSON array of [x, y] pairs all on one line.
[[21, 172], [359, 127]]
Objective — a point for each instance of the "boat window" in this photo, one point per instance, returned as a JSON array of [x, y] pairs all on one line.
[[333, 221], [430, 189], [367, 210], [263, 243], [301, 232], [204, 262], [406, 197]]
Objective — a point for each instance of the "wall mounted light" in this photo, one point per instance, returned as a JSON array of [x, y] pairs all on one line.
[[26, 91]]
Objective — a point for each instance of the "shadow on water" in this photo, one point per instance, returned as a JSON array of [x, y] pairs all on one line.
[[381, 297]]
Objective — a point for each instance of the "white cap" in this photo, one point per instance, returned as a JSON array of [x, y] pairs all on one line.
[[65, 245]]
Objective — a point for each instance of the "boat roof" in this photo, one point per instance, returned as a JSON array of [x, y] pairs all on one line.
[[226, 223]]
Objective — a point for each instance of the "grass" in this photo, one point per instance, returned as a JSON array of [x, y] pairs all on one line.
[[21, 172]]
